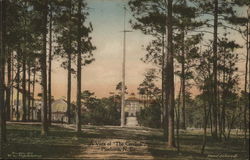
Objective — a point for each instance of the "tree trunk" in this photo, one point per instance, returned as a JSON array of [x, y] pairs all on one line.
[[211, 119], [24, 87], [248, 42], [230, 125], [8, 88], [33, 94], [79, 64], [24, 54], [2, 85], [166, 80], [44, 71], [2, 98], [206, 115], [170, 77], [50, 65], [164, 105], [12, 85], [2, 106], [219, 111], [215, 69], [18, 85], [29, 85], [69, 88], [183, 124], [223, 108], [69, 75], [178, 119], [245, 85]]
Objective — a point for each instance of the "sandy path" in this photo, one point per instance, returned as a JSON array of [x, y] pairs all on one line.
[[113, 147]]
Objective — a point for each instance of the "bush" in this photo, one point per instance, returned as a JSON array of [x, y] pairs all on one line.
[[150, 116], [100, 111]]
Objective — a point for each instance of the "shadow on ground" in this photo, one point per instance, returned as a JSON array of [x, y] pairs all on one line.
[[25, 141]]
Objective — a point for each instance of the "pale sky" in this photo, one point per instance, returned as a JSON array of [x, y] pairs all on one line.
[[104, 73]]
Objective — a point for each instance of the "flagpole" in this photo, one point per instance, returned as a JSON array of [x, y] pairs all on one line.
[[123, 71]]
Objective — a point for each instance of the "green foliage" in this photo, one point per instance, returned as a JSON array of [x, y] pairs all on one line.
[[24, 31], [66, 28], [119, 88], [195, 114], [148, 87], [150, 116], [102, 111], [149, 17]]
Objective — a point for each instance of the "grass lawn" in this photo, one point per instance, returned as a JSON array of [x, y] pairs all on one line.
[[25, 141]]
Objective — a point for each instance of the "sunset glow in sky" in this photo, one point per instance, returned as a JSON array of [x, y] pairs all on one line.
[[104, 73]]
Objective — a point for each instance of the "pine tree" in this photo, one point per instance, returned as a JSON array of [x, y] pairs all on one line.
[[221, 11], [151, 20], [44, 69], [203, 79], [84, 54], [241, 25], [79, 70], [186, 46], [2, 81], [169, 61], [226, 67], [50, 62], [65, 45], [74, 44]]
